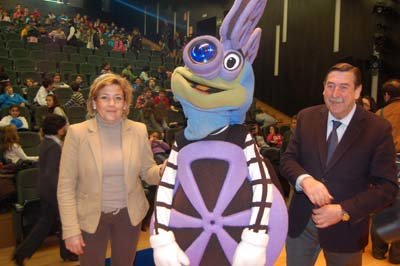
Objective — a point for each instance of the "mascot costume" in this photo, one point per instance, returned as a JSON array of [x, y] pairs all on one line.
[[216, 203]]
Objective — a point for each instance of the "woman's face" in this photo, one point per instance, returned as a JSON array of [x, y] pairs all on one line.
[[272, 130], [110, 103], [49, 101]]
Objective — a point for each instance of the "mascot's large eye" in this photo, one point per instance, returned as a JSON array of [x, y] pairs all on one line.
[[203, 51], [232, 61]]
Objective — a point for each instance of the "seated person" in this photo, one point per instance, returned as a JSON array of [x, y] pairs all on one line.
[[144, 98], [14, 118], [46, 89], [57, 83], [54, 107], [127, 73], [12, 150], [159, 147], [77, 98], [79, 80], [9, 98], [28, 85], [274, 138]]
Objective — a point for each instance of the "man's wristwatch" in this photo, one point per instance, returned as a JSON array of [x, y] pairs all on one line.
[[345, 216]]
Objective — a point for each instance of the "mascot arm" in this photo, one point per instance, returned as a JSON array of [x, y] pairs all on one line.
[[166, 250], [165, 192], [252, 248]]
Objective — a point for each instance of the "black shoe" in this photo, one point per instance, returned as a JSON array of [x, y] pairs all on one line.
[[71, 257], [378, 255], [17, 260]]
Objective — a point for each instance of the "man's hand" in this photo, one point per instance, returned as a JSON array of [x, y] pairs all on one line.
[[327, 215], [317, 193]]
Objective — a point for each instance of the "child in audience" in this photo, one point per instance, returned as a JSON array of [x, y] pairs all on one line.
[[29, 84], [14, 118], [54, 107], [12, 149], [77, 98], [159, 147], [46, 89], [274, 138], [57, 83]]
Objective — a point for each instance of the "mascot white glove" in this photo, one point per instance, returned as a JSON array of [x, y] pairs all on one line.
[[252, 250], [166, 250]]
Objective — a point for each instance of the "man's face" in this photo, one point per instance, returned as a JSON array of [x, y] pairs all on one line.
[[340, 93]]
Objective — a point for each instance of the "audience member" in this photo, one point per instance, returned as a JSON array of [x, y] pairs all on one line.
[[12, 150], [54, 128], [127, 73], [118, 45], [274, 138], [337, 188], [14, 118], [287, 136], [54, 107], [391, 112], [159, 147], [144, 75], [57, 83], [9, 98], [4, 78], [105, 68], [368, 103], [144, 98], [44, 90], [29, 84], [58, 36], [77, 98]]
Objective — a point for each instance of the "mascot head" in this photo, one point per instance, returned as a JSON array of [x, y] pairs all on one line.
[[216, 85]]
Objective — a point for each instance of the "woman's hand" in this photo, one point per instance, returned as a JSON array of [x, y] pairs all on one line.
[[75, 244]]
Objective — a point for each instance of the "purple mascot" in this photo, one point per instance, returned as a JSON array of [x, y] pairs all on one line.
[[216, 203]]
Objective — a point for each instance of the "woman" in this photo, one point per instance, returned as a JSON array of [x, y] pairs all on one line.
[[368, 103], [99, 192], [54, 107], [50, 153]]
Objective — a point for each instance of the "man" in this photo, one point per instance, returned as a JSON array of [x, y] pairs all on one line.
[[391, 112], [341, 163]]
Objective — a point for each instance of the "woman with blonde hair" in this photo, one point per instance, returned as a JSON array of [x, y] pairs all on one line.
[[100, 192]]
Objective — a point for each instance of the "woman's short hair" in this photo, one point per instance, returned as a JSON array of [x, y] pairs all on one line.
[[52, 123], [109, 79]]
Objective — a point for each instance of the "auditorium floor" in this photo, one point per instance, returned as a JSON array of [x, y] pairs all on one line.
[[48, 255]]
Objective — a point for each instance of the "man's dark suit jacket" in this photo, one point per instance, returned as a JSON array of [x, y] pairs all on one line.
[[360, 176], [49, 164]]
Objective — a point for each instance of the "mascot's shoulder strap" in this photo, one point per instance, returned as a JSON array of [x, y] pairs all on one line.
[[235, 134]]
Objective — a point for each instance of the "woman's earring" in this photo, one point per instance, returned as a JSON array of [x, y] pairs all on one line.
[[94, 107]]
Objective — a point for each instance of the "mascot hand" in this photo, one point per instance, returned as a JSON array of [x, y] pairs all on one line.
[[251, 250], [166, 250]]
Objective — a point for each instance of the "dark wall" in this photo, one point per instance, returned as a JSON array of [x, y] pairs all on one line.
[[308, 52]]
